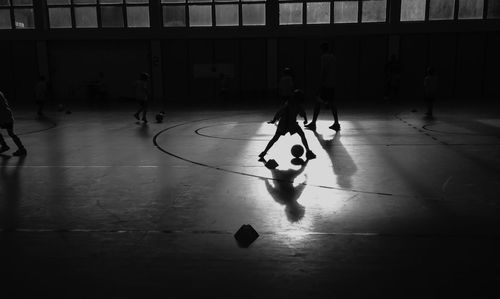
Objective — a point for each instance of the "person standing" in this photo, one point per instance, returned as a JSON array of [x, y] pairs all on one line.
[[327, 90], [430, 90], [142, 94], [7, 123]]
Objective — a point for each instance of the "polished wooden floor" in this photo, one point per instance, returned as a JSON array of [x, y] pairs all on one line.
[[394, 205]]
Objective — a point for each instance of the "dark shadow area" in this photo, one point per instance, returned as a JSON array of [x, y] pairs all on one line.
[[9, 180], [342, 163], [143, 130], [284, 192]]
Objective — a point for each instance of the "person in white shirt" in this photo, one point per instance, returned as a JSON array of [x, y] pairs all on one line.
[[7, 123], [327, 91], [142, 94]]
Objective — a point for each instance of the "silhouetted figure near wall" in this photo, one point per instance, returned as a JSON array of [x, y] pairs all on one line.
[[327, 90], [286, 192], [392, 73], [286, 85], [430, 90], [287, 117], [7, 123], [142, 94], [41, 92], [223, 83]]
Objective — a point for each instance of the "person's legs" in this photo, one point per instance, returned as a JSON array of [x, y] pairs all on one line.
[[14, 137], [270, 144], [309, 153]]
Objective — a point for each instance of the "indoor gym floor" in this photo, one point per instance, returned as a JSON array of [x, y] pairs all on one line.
[[394, 205]]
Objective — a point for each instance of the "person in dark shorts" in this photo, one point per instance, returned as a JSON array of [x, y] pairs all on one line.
[[327, 91], [142, 94], [287, 117], [7, 123]]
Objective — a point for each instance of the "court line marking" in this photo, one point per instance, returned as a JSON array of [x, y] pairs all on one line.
[[156, 144], [53, 125]]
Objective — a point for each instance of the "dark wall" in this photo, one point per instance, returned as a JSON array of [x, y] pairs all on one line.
[[467, 65], [73, 65], [18, 71]]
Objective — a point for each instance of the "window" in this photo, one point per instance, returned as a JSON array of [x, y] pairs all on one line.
[[208, 13], [493, 9], [16, 14], [98, 13], [471, 9], [413, 10], [345, 12], [297, 12], [441, 9], [374, 11]]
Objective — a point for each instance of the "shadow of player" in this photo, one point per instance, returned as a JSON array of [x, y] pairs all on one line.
[[342, 163], [284, 192]]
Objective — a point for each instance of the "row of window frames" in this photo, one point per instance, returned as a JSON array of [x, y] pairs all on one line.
[[415, 10]]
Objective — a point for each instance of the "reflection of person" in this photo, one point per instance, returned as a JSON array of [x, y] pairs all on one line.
[[7, 123], [287, 117], [142, 94], [285, 193], [41, 90], [430, 90], [327, 91], [9, 179]]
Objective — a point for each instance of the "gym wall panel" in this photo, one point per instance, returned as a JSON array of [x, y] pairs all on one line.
[[24, 70], [227, 61], [492, 67], [202, 78], [175, 70], [413, 58], [470, 65], [253, 68], [347, 52], [291, 53], [442, 56], [373, 58], [6, 75], [73, 65], [312, 69]]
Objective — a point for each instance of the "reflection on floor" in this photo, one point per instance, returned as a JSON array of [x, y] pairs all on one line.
[[394, 204]]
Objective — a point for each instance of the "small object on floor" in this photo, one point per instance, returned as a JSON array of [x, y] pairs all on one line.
[[297, 150], [20, 152], [4, 148], [335, 127], [246, 235], [311, 126], [271, 164], [310, 155]]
